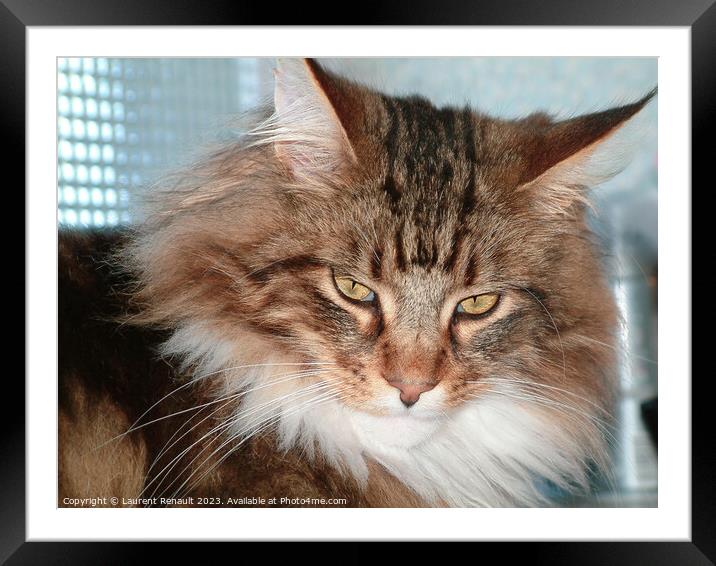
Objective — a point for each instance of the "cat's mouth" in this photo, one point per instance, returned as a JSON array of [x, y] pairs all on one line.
[[429, 406]]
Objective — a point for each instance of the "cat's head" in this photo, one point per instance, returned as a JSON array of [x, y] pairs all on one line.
[[428, 257]]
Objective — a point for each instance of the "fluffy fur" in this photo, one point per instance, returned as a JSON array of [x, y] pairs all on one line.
[[486, 453], [235, 261]]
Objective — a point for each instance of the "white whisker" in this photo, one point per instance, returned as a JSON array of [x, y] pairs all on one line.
[[134, 426], [325, 397], [230, 422], [228, 399], [248, 431]]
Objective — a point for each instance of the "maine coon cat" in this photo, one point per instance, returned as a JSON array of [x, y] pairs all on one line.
[[365, 301]]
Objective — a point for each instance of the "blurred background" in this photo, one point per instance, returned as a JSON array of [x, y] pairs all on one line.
[[122, 122]]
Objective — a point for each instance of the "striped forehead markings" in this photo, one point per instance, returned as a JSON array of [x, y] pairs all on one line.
[[430, 129]]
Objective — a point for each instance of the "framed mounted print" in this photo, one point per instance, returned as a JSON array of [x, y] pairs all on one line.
[[361, 283]]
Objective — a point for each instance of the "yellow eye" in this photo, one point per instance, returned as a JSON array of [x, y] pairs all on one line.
[[354, 290], [478, 304]]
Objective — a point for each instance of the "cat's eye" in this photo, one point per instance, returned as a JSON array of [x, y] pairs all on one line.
[[354, 290], [478, 304]]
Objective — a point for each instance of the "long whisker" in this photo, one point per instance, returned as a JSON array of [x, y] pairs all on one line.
[[323, 397], [566, 409], [271, 417], [602, 425], [234, 395], [229, 422], [227, 399], [196, 378], [225, 424], [192, 381], [620, 350], [543, 386]]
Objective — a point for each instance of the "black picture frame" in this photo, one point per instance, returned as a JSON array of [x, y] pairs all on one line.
[[699, 15]]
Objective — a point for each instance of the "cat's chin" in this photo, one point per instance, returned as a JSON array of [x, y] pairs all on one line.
[[394, 430], [386, 422]]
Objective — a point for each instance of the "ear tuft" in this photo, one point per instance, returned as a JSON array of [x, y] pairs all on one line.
[[305, 129], [569, 156]]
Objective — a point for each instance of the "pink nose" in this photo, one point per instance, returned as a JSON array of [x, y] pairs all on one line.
[[410, 392]]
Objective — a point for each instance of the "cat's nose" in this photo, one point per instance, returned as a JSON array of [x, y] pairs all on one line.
[[410, 392]]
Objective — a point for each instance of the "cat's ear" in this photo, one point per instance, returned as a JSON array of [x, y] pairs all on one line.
[[309, 136], [567, 157]]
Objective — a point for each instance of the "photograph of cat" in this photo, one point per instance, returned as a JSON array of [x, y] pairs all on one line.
[[366, 300]]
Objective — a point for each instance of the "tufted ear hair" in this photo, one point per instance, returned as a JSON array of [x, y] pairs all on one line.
[[563, 158], [306, 130]]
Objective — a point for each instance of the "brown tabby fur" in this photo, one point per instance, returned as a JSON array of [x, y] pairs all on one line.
[[110, 374], [423, 202]]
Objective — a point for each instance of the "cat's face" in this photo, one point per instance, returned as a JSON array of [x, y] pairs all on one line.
[[427, 257], [420, 298]]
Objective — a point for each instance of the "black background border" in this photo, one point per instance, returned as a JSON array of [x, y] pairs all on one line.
[[699, 15]]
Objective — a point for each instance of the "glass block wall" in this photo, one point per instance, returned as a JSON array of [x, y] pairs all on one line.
[[120, 122]]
